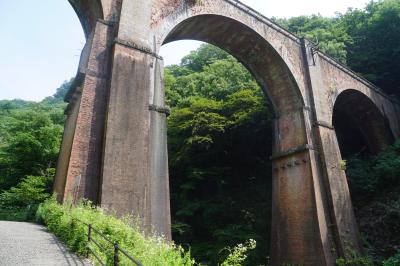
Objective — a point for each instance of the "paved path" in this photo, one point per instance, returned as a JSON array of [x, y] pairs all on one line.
[[31, 244]]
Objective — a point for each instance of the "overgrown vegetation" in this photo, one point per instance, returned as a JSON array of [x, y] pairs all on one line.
[[393, 261], [219, 141], [66, 223], [30, 137], [375, 187], [20, 203], [355, 261], [238, 254], [70, 224], [369, 176]]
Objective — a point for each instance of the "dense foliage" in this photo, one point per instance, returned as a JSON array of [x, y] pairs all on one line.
[[375, 188], [31, 191], [368, 175], [219, 142], [30, 137], [328, 33], [67, 223]]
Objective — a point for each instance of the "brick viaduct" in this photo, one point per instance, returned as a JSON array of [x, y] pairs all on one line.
[[114, 149]]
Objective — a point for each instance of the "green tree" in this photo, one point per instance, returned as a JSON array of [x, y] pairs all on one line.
[[375, 188], [63, 89], [30, 136], [375, 50], [215, 80], [203, 56], [30, 146], [328, 33], [30, 191], [219, 141]]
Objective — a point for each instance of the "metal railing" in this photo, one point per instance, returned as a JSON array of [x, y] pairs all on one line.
[[117, 250]]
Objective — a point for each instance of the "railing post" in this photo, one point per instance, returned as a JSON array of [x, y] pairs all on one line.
[[116, 257], [89, 239]]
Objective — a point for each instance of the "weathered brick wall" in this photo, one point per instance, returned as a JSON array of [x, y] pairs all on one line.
[[86, 155], [66, 147]]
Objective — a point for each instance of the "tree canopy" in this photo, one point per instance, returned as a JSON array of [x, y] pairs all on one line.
[[30, 138]]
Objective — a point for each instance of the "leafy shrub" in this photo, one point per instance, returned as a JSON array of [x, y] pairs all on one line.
[[392, 261], [219, 139], [31, 191], [30, 142], [369, 175], [387, 165], [375, 186], [20, 203], [355, 261], [66, 222], [13, 214], [361, 176], [237, 255]]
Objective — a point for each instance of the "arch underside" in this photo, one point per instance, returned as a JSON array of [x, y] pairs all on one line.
[[88, 12], [355, 115], [251, 49]]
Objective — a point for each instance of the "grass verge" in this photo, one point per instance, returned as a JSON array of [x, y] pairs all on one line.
[[63, 221]]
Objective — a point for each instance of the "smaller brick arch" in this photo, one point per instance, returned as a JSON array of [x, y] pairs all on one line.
[[355, 115]]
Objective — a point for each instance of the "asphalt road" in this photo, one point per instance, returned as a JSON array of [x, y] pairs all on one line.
[[31, 244]]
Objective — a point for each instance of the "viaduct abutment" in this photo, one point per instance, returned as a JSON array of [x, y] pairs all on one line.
[[114, 149]]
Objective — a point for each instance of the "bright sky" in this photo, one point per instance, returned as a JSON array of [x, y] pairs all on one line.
[[41, 40]]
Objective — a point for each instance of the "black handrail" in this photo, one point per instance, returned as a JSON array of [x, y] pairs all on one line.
[[115, 245]]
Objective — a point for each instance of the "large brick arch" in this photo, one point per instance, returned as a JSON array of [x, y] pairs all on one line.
[[251, 49], [245, 34]]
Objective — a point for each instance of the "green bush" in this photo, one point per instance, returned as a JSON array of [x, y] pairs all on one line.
[[392, 261], [64, 221], [237, 255], [20, 203], [13, 214], [70, 224], [369, 175], [355, 261], [387, 165], [32, 190]]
